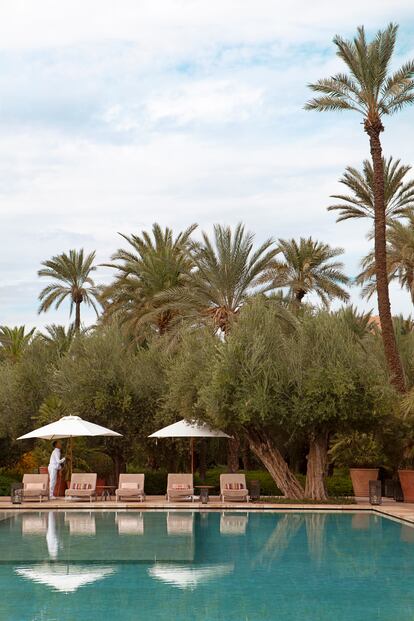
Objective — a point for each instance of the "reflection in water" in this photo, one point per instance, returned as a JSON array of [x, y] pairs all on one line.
[[34, 524], [180, 523], [81, 523], [51, 536], [315, 532], [130, 523], [286, 528], [361, 521], [65, 578], [184, 577], [233, 524]]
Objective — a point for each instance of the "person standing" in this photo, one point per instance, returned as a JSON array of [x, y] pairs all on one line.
[[55, 464]]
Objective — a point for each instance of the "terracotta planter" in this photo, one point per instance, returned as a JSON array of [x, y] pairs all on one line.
[[407, 484], [360, 480]]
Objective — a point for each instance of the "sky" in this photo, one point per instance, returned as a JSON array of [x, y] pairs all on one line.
[[118, 114]]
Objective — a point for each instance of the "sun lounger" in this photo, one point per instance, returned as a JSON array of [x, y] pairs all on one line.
[[180, 523], [233, 487], [35, 486], [180, 487], [130, 523], [131, 486], [233, 524], [34, 524], [82, 485], [81, 523]]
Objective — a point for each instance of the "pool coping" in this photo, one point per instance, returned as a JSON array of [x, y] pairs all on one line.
[[403, 512]]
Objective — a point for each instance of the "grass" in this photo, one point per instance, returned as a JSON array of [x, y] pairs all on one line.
[[281, 500]]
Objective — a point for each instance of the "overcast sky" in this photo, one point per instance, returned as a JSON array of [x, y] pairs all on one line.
[[116, 114]]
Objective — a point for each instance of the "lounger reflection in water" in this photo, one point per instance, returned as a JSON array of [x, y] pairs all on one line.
[[188, 576], [130, 523], [64, 577], [34, 524], [233, 524], [180, 523], [81, 523]]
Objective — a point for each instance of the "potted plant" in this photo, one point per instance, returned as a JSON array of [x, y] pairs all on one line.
[[362, 454]]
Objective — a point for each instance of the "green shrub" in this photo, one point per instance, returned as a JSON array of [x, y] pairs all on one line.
[[6, 482], [339, 485]]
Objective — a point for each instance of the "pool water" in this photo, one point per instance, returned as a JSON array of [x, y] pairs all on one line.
[[178, 566]]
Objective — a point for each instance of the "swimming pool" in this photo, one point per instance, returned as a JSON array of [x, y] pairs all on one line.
[[85, 566]]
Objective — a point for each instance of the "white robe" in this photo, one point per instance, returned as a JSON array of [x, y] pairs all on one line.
[[54, 465]]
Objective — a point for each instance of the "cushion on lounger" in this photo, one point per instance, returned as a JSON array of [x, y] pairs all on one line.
[[234, 486], [180, 486], [34, 486], [134, 486]]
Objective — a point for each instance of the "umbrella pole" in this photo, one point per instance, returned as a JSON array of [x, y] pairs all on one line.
[[70, 456], [192, 456]]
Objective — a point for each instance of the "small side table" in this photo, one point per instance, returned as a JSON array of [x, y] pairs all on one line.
[[204, 491], [105, 491]]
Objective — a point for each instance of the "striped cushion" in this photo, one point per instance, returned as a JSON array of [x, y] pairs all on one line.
[[180, 486], [234, 486]]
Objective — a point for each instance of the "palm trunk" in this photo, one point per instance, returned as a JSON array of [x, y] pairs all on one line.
[[77, 316], [384, 307], [277, 467], [316, 470]]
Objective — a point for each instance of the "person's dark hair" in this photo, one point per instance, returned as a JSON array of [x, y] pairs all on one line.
[[55, 443]]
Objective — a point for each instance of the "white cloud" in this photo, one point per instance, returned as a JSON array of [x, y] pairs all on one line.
[[116, 115]]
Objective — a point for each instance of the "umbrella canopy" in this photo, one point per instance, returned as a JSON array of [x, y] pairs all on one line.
[[64, 578], [185, 577], [184, 429], [69, 427]]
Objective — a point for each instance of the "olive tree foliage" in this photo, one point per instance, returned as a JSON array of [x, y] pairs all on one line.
[[23, 387], [241, 385], [109, 382], [279, 382], [340, 386]]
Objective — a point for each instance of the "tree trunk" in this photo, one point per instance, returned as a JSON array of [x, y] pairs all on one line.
[[277, 467], [373, 130], [120, 465], [245, 455], [316, 471], [202, 465], [233, 452], [77, 316]]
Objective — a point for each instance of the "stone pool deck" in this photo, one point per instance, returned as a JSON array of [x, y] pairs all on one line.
[[397, 510]]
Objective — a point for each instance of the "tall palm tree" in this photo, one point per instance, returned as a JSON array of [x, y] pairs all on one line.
[[398, 193], [307, 267], [71, 278], [14, 341], [151, 265], [371, 90], [400, 259], [226, 271]]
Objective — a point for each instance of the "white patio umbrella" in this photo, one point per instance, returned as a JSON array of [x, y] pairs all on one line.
[[69, 427], [65, 578], [189, 577], [185, 429]]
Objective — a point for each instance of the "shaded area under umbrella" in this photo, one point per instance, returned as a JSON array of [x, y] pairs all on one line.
[[69, 427], [192, 430]]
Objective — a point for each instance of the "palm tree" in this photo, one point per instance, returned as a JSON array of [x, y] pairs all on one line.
[[307, 267], [360, 323], [398, 194], [150, 266], [71, 276], [226, 271], [14, 342], [400, 259], [59, 337], [371, 90]]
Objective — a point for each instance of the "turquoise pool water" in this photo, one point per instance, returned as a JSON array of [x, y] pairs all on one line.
[[211, 566]]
